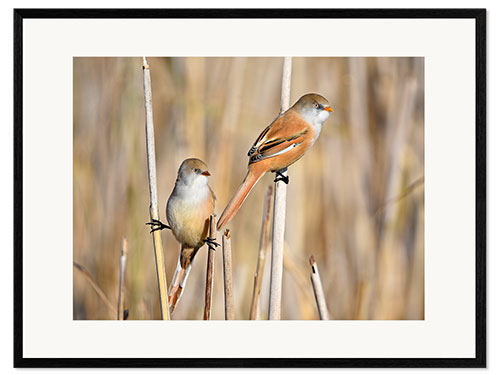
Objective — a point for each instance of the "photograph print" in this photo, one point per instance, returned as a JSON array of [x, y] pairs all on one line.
[[187, 170]]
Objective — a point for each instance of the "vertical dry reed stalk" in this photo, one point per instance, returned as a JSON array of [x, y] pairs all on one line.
[[391, 295], [261, 257], [279, 212], [318, 290], [210, 273], [364, 231], [153, 195], [399, 141], [228, 276], [121, 286]]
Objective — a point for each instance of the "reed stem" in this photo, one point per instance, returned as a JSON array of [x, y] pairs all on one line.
[[279, 212], [263, 243], [210, 273], [228, 276], [121, 287], [319, 294], [153, 195]]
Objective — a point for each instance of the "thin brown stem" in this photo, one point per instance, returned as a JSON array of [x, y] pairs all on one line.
[[264, 236], [228, 276], [318, 290], [210, 274]]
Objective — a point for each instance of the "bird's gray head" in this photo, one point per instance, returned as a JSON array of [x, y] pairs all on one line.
[[193, 172], [313, 108]]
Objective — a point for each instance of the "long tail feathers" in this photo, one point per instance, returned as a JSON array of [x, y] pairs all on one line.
[[239, 197], [177, 285]]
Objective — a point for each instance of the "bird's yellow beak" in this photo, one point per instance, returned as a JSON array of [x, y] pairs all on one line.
[[328, 109], [205, 173]]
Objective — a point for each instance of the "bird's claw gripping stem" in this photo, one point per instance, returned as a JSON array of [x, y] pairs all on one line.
[[159, 225], [281, 177], [211, 243]]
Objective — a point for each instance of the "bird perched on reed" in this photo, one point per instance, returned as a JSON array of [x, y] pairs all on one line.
[[279, 145], [189, 207]]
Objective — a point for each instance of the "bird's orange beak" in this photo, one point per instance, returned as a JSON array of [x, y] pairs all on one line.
[[328, 109], [205, 173]]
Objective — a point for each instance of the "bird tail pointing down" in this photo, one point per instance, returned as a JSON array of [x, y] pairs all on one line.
[[239, 197], [177, 285]]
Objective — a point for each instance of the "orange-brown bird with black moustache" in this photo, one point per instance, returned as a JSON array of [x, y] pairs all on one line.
[[279, 145]]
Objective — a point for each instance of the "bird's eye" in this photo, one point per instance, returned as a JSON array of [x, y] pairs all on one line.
[[197, 170], [316, 105]]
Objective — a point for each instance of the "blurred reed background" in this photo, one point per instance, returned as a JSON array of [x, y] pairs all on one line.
[[355, 201]]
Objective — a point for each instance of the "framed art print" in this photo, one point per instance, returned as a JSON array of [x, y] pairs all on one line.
[[250, 188]]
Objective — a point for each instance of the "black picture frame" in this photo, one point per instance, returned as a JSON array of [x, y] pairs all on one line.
[[479, 15]]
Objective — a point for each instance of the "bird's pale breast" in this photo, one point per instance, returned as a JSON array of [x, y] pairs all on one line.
[[189, 220]]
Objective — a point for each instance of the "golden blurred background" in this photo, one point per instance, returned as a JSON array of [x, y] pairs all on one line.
[[355, 201]]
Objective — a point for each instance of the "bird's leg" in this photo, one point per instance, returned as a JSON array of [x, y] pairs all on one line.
[[211, 243], [159, 224], [281, 177]]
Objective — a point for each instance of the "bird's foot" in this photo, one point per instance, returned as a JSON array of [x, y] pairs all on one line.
[[159, 225], [211, 243], [281, 177]]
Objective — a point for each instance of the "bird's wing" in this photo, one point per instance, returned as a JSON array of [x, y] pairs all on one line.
[[262, 137], [278, 146], [285, 133]]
